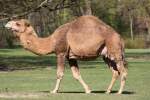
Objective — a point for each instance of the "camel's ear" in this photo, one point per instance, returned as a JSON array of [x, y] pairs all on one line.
[[27, 23]]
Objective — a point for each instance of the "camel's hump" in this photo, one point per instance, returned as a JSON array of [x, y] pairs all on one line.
[[86, 34]]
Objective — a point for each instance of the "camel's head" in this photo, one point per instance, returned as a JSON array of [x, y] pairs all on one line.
[[18, 26]]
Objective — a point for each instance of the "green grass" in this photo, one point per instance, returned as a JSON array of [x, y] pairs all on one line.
[[30, 77]]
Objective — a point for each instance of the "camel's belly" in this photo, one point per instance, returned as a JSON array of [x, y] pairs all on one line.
[[83, 57], [102, 51], [87, 47]]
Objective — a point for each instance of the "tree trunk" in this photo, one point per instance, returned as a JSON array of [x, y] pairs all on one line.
[[131, 27], [88, 10], [148, 28]]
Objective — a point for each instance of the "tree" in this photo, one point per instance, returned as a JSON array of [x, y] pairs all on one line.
[[88, 9], [131, 10]]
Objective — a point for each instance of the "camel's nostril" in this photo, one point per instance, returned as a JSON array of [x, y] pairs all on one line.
[[28, 42]]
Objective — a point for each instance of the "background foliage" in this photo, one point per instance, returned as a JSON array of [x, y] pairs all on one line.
[[131, 18]]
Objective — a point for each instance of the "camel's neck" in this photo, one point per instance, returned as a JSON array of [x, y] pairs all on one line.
[[40, 46]]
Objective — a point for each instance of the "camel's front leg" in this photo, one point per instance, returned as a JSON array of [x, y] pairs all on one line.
[[60, 71], [76, 74]]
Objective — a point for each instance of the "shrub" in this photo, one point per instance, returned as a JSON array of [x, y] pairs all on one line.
[[134, 44]]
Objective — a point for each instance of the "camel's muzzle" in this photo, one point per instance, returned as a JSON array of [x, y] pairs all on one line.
[[8, 26]]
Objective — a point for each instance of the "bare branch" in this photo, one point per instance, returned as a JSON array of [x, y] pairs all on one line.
[[43, 4], [26, 13]]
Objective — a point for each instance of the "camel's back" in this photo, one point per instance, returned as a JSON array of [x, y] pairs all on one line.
[[86, 35], [88, 25]]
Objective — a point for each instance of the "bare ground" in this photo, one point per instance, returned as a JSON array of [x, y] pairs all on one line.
[[22, 95]]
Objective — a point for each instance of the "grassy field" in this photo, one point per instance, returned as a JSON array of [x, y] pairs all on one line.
[[25, 76]]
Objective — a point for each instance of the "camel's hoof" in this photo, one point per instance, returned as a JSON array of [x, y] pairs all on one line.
[[118, 93], [88, 91], [108, 92], [54, 92]]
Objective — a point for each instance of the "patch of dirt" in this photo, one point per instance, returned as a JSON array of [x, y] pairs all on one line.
[[22, 95]]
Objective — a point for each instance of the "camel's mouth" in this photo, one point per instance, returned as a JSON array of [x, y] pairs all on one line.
[[13, 30]]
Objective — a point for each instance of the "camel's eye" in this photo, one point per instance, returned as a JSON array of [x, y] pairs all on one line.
[[18, 24]]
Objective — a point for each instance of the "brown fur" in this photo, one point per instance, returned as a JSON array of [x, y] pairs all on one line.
[[84, 38]]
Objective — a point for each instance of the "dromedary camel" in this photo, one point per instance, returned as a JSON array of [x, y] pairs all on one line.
[[81, 39]]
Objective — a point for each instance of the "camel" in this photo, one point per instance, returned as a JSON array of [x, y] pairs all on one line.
[[84, 38]]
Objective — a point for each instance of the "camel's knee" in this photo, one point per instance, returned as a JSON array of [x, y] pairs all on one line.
[[76, 76], [120, 66], [60, 75], [124, 75], [115, 74]]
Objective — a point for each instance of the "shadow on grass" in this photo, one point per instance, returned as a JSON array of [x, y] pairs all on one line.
[[113, 92], [4, 67], [11, 63], [25, 62], [95, 92]]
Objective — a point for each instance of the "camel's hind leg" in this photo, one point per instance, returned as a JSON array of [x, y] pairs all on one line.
[[123, 74], [115, 52], [115, 73], [114, 78], [76, 74]]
